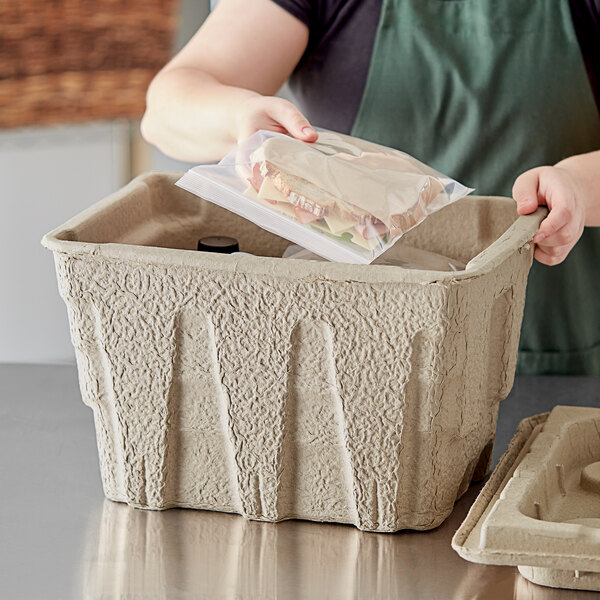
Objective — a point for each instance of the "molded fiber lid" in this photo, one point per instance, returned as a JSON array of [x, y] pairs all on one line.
[[538, 508]]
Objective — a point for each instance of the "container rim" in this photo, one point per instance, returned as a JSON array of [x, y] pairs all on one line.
[[517, 237]]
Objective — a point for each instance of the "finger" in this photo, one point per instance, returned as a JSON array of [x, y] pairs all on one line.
[[250, 128], [293, 120], [525, 191], [555, 250], [569, 234], [547, 259], [560, 214]]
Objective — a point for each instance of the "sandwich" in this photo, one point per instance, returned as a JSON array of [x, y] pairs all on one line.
[[352, 189]]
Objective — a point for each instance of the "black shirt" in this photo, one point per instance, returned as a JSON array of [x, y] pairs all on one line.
[[342, 34]]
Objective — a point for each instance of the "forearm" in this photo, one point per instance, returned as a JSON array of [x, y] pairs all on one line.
[[585, 171], [190, 116]]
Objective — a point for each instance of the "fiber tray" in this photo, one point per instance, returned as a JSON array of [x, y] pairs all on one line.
[[540, 510]]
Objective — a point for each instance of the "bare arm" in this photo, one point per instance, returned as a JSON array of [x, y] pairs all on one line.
[[585, 170], [219, 88]]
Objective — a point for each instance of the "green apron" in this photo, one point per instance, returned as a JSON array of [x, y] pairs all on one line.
[[483, 90]]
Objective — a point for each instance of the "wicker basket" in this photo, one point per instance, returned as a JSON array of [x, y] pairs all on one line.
[[79, 60]]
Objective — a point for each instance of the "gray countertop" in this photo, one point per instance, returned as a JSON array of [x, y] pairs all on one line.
[[60, 539]]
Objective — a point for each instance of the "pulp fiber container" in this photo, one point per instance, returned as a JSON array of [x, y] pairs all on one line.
[[283, 389], [539, 510]]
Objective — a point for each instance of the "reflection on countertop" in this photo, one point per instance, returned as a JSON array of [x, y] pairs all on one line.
[[183, 553], [190, 554]]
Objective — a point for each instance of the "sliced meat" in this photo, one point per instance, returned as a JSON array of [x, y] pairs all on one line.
[[256, 180], [305, 216], [371, 231]]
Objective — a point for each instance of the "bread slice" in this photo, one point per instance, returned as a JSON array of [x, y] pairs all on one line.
[[380, 190], [314, 199], [300, 192]]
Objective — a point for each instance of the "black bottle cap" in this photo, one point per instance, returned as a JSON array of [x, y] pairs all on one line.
[[218, 243]]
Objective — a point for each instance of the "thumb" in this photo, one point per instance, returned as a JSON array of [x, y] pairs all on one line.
[[525, 191], [293, 121]]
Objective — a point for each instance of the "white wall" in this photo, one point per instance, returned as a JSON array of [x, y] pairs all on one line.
[[47, 175]]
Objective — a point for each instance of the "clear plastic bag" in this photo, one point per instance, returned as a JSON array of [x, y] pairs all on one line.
[[343, 198], [406, 257]]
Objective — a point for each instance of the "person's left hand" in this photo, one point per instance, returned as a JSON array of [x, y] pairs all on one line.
[[557, 189]]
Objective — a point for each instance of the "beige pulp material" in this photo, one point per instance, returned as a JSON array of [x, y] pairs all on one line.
[[280, 389], [540, 509]]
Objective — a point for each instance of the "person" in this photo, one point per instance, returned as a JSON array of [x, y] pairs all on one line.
[[502, 96]]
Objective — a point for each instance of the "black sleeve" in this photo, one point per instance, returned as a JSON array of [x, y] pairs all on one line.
[[303, 10], [314, 14], [586, 19]]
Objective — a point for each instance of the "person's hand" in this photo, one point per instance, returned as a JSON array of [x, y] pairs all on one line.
[[556, 188], [273, 114]]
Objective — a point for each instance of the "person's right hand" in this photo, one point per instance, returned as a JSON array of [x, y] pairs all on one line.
[[273, 114], [220, 87]]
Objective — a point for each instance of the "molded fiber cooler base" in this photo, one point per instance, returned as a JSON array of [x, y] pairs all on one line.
[[280, 389]]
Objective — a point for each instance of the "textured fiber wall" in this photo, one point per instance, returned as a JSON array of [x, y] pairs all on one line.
[[363, 395]]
